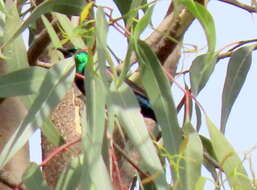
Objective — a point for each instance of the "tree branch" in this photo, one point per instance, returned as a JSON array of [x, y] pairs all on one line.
[[250, 9], [39, 44]]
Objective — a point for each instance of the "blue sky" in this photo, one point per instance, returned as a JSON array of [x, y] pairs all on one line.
[[232, 24]]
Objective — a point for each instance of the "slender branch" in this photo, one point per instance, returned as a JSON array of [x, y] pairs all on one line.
[[58, 150], [250, 9], [129, 160], [229, 53]]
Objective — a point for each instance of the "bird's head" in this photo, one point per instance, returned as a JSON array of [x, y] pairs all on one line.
[[81, 57]]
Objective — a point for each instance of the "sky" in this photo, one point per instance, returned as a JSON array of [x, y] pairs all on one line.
[[232, 24]]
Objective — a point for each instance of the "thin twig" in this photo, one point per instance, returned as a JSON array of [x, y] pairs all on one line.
[[246, 7], [58, 150], [129, 160]]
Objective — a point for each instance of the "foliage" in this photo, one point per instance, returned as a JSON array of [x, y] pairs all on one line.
[[186, 151]]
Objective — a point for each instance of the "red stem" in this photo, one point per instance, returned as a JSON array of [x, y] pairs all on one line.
[[58, 150]]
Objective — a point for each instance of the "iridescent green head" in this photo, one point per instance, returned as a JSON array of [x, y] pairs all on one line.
[[81, 57], [81, 61]]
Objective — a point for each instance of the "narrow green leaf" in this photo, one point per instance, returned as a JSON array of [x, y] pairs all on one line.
[[15, 52], [200, 72], [129, 9], [94, 133], [64, 6], [143, 23], [51, 31], [159, 92], [198, 114], [210, 159], [205, 18], [190, 170], [71, 175], [16, 56], [22, 82], [126, 64], [127, 110], [228, 159], [123, 6], [101, 41], [69, 29], [57, 81], [52, 133], [33, 178], [200, 183], [238, 67]]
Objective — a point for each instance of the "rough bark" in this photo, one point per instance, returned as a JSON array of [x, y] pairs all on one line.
[[66, 117]]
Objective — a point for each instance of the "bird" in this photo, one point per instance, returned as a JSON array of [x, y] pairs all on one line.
[[81, 61]]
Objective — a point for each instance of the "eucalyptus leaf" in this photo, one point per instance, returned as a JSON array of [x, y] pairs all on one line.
[[129, 8], [198, 114], [192, 152], [69, 30], [238, 67], [158, 90], [22, 82], [126, 107], [15, 53], [71, 175], [94, 133], [52, 133], [51, 31], [68, 7], [57, 82], [33, 178], [94, 129], [205, 18], [228, 159], [200, 72], [143, 23]]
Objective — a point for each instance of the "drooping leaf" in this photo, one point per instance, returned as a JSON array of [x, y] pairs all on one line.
[[129, 8], [68, 7], [33, 178], [143, 23], [158, 90], [123, 6], [71, 175], [192, 159], [228, 159], [22, 82], [94, 130], [200, 72], [126, 107], [101, 33], [51, 31], [15, 52], [198, 117], [68, 28], [210, 159], [94, 133], [52, 133], [205, 18], [57, 81], [238, 67], [16, 59]]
